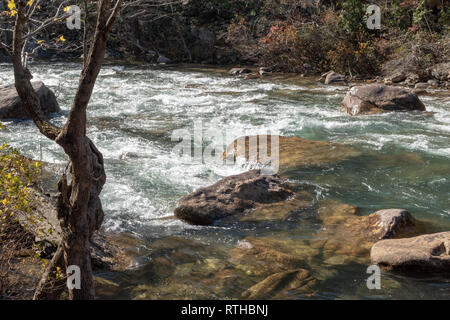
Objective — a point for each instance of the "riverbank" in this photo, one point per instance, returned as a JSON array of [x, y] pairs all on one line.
[[309, 38]]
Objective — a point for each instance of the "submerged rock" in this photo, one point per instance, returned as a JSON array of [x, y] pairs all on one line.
[[11, 106], [264, 256], [376, 98], [230, 196], [348, 237], [280, 284], [428, 253], [293, 152], [280, 210]]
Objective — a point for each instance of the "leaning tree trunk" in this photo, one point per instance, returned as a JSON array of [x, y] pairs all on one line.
[[79, 207]]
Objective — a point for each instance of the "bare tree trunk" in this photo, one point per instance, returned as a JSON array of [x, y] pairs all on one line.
[[79, 207]]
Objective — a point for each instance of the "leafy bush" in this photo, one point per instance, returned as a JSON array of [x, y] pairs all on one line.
[[16, 178], [353, 18]]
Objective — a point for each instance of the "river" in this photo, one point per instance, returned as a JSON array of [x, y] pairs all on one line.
[[404, 163]]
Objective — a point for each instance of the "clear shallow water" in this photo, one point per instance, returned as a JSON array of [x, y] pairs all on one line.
[[405, 161]]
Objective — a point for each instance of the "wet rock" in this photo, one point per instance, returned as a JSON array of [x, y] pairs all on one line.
[[11, 107], [179, 250], [231, 196], [280, 210], [338, 260], [106, 288], [386, 224], [426, 253], [293, 152], [263, 256], [334, 78], [343, 234], [239, 71], [375, 98], [280, 284], [349, 237], [110, 251]]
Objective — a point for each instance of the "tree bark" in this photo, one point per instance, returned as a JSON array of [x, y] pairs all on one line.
[[79, 207]]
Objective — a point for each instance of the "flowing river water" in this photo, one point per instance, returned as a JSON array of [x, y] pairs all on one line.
[[404, 162]]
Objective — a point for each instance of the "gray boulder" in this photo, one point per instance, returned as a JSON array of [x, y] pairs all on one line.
[[377, 98], [426, 253], [11, 106], [230, 196]]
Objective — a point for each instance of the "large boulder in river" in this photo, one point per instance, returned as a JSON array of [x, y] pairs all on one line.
[[230, 196], [376, 98], [427, 253], [293, 152], [11, 106]]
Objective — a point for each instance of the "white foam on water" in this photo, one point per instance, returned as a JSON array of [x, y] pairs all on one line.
[[134, 112]]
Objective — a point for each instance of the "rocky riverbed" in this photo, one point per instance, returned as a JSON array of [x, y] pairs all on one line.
[[345, 184]]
